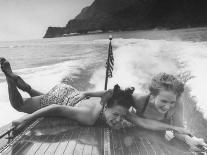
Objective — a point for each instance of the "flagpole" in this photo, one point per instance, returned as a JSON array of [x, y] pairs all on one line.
[[107, 67]]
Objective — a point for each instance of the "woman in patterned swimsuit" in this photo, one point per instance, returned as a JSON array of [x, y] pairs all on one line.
[[60, 101]]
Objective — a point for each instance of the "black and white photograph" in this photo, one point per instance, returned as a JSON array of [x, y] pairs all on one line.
[[103, 77]]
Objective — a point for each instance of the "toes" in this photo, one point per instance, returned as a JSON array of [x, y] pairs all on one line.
[[2, 60], [5, 64], [6, 68]]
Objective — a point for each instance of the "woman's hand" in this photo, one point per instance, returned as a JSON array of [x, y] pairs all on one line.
[[196, 144], [106, 96]]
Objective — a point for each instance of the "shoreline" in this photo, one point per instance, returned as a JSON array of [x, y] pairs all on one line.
[[129, 30]]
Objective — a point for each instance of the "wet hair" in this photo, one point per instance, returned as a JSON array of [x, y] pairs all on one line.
[[121, 97], [167, 82]]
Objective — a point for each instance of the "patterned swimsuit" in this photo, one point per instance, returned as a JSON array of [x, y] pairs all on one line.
[[63, 94]]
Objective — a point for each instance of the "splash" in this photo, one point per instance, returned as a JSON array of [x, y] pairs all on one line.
[[137, 60], [194, 56]]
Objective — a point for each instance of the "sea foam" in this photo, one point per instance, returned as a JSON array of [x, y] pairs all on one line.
[[137, 60]]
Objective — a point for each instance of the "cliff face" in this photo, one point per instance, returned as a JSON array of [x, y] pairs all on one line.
[[136, 14], [54, 32]]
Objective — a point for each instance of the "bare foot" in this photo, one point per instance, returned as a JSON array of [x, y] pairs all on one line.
[[2, 60], [5, 67]]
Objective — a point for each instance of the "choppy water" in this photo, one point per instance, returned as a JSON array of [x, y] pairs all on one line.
[[138, 56]]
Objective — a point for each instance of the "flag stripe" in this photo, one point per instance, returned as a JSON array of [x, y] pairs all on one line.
[[110, 61]]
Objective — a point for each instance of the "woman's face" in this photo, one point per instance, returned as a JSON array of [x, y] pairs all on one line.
[[164, 101], [115, 115]]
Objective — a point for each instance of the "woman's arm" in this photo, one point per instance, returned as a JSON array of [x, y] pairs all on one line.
[[177, 120], [94, 94], [196, 144], [153, 125], [81, 114]]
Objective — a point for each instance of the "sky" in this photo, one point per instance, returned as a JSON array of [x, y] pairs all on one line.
[[29, 19]]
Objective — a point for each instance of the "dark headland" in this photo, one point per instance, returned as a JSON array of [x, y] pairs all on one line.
[[120, 15]]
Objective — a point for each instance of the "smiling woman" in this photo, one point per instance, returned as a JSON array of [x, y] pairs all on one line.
[[35, 15], [165, 90], [164, 103]]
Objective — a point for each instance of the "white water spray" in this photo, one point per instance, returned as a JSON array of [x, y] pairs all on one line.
[[136, 61]]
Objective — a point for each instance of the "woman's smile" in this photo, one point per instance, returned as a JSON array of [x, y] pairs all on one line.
[[164, 109], [164, 101]]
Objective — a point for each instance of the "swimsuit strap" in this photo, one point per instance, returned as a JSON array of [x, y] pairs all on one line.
[[165, 117], [145, 105], [101, 118]]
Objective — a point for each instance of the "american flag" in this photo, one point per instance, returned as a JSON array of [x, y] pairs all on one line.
[[110, 62]]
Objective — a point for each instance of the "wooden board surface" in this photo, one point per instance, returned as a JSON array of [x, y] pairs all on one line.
[[60, 136]]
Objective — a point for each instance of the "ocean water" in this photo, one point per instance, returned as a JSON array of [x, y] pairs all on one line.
[[81, 60]]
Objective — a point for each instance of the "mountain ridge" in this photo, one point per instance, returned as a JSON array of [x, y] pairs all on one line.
[[106, 15]]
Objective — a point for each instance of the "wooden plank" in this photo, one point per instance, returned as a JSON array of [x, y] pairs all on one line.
[[87, 148], [34, 148], [60, 136], [143, 142], [153, 147], [97, 148], [118, 150], [21, 148], [62, 146], [72, 142], [54, 145], [99, 134], [78, 148], [107, 142], [127, 141], [101, 147], [44, 146]]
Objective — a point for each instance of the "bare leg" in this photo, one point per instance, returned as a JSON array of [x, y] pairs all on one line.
[[34, 93], [15, 97], [28, 105], [20, 83]]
